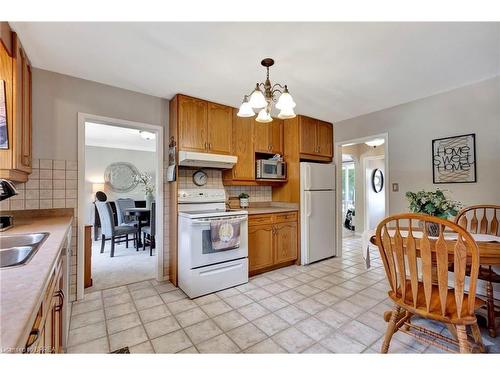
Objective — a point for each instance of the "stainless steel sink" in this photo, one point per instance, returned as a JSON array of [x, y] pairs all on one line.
[[16, 250]]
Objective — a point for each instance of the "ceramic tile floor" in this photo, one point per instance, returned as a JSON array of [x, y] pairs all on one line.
[[333, 306]]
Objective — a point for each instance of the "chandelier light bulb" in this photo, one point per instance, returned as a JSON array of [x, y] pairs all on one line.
[[245, 109], [285, 101], [375, 143], [257, 99], [264, 116], [147, 135], [286, 113]]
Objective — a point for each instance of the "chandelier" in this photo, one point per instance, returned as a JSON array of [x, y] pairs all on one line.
[[264, 95]]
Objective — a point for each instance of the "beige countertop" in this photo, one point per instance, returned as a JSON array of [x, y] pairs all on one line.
[[22, 287], [269, 210]]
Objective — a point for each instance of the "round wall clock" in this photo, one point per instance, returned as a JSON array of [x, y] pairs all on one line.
[[200, 178], [377, 180]]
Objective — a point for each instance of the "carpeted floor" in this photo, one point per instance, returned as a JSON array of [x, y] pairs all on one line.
[[127, 266]]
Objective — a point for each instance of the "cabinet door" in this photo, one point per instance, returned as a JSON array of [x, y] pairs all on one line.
[[262, 137], [219, 125], [260, 247], [285, 248], [276, 135], [22, 108], [192, 124], [243, 130], [325, 139], [308, 127]]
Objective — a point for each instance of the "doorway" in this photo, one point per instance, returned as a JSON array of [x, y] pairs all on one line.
[[120, 185], [362, 168]]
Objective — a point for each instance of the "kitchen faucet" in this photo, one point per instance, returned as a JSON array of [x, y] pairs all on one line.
[[7, 190]]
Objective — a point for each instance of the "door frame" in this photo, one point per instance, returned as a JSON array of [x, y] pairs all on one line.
[[158, 130], [365, 195], [338, 183]]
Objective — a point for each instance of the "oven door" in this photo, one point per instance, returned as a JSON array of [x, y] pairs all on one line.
[[201, 251]]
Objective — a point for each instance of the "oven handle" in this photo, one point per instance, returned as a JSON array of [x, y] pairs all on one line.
[[203, 222]]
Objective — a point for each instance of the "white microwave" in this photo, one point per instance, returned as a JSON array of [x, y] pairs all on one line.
[[271, 169]]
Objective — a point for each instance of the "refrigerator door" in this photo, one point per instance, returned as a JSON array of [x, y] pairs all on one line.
[[317, 225], [316, 176]]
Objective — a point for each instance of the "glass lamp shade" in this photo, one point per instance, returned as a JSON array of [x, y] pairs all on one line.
[[286, 114], [375, 143], [245, 110], [285, 102], [257, 99], [264, 116]]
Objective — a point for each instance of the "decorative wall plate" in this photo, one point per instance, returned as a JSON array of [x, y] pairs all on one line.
[[120, 177]]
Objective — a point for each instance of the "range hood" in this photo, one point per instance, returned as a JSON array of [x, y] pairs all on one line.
[[202, 159]]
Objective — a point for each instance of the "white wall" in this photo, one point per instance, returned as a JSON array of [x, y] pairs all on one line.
[[411, 128], [96, 161], [58, 98]]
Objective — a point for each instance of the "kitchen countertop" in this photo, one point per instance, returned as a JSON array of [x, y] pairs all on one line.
[[22, 287], [269, 210]]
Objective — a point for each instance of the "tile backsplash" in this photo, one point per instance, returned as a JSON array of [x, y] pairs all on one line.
[[51, 184], [257, 193]]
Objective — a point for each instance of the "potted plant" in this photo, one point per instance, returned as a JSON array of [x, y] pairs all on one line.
[[243, 200], [434, 203], [146, 180]]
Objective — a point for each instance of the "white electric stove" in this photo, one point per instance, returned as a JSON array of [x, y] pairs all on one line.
[[202, 269]]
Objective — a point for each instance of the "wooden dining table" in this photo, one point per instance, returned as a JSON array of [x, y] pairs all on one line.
[[489, 247], [142, 214]]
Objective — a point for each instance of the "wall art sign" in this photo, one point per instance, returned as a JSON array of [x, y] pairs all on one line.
[[4, 137], [454, 159]]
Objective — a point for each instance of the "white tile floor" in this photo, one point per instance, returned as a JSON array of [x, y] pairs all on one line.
[[333, 306]]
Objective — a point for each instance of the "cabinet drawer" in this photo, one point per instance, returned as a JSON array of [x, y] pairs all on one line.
[[285, 217], [260, 219]]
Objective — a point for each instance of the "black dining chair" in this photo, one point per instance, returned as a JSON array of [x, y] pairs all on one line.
[[110, 231], [149, 231]]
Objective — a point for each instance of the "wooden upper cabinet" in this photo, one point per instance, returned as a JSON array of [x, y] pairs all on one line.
[[276, 135], [262, 137], [325, 139], [286, 247], [204, 126], [260, 245], [308, 128], [316, 139], [15, 70], [269, 137], [219, 124], [192, 122], [243, 148]]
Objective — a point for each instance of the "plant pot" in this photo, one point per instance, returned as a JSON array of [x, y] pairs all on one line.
[[432, 229], [243, 202]]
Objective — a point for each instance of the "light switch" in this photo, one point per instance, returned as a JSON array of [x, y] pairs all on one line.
[[395, 187]]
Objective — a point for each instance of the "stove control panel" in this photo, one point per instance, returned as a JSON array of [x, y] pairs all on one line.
[[201, 195]]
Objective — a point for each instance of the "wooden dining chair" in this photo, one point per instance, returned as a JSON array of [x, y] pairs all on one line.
[[416, 266], [483, 219]]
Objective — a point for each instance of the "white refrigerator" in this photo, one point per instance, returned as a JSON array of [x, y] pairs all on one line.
[[317, 210]]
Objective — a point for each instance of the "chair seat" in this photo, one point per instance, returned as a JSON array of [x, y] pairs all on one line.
[[121, 230], [146, 230], [131, 222], [435, 304]]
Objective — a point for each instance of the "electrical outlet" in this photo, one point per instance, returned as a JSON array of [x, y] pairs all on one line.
[[395, 187]]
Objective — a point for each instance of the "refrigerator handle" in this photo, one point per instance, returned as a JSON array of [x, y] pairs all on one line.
[[308, 203], [308, 177]]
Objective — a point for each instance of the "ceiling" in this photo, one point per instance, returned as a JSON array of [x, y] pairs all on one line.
[[334, 71], [116, 137]]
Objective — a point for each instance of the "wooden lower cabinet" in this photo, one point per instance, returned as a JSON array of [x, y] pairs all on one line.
[[46, 333], [272, 241], [285, 242], [260, 247]]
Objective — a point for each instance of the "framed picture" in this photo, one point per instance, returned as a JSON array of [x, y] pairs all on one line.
[[4, 134], [454, 159]]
